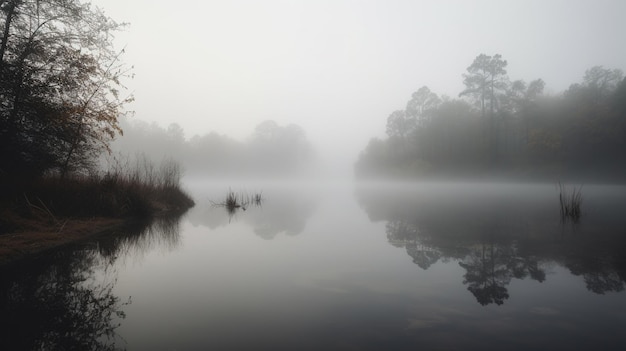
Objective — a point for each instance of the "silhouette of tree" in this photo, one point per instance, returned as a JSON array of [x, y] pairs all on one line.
[[59, 85], [517, 131], [602, 82], [486, 78], [399, 124], [423, 102]]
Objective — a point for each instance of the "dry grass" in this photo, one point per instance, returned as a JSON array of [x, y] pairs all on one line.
[[141, 191], [38, 215]]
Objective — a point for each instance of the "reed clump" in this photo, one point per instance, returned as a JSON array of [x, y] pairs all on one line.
[[139, 190], [239, 200], [570, 201]]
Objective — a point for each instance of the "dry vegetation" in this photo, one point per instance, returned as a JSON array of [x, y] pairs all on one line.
[[55, 210]]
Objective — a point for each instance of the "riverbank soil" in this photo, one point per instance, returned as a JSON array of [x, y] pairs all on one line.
[[49, 212], [36, 235]]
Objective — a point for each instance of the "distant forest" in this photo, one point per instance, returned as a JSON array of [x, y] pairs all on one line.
[[62, 104], [270, 150], [497, 127]]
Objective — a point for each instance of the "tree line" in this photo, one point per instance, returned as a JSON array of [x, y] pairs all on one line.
[[270, 150], [501, 127]]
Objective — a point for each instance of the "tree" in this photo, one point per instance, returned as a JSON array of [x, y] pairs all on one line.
[[399, 124], [486, 76], [535, 89], [602, 82], [485, 79], [59, 85], [421, 105], [449, 138]]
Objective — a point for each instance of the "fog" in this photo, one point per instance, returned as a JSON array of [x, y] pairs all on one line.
[[337, 70], [313, 174]]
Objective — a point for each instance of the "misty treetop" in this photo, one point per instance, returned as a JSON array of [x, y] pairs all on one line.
[[503, 127], [271, 149], [59, 85]]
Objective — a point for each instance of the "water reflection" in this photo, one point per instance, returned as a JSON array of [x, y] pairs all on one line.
[[140, 238], [60, 303], [500, 232], [599, 261], [490, 267], [282, 210], [64, 300]]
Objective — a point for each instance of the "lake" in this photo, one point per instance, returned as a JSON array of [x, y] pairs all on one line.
[[432, 266]]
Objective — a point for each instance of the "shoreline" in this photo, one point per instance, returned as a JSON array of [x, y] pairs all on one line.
[[30, 244], [51, 212], [34, 240], [23, 245]]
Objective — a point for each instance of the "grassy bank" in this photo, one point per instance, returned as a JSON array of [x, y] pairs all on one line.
[[56, 209]]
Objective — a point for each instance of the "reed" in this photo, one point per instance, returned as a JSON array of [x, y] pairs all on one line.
[[237, 200], [232, 201], [570, 202], [142, 189]]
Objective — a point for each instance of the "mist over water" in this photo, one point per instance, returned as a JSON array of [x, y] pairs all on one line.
[[376, 175], [382, 265], [449, 232]]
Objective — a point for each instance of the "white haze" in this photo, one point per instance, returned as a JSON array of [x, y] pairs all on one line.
[[338, 68]]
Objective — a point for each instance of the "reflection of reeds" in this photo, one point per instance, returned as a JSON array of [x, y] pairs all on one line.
[[570, 202], [258, 198], [139, 238], [232, 202], [235, 200]]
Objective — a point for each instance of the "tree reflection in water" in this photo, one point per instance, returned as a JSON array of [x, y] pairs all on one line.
[[65, 300], [491, 267], [495, 240], [602, 266], [402, 234]]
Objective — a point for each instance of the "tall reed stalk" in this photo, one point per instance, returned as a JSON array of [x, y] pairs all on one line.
[[570, 202]]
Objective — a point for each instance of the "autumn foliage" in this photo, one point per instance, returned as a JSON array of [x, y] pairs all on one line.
[[59, 86]]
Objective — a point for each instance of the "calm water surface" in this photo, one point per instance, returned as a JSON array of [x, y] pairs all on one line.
[[450, 266]]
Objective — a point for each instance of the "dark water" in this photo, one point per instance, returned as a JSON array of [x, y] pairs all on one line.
[[338, 267]]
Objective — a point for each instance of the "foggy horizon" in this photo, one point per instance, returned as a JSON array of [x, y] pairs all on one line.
[[339, 68], [312, 174]]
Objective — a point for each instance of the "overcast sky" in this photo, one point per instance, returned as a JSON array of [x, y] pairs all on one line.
[[339, 68]]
